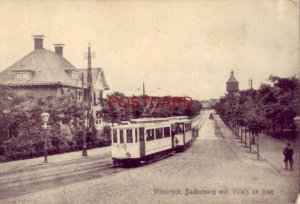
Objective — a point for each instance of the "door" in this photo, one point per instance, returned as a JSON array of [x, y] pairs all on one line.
[[183, 133], [142, 141], [173, 135]]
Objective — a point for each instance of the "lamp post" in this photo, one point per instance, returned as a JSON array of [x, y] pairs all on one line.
[[297, 122], [45, 117], [84, 148]]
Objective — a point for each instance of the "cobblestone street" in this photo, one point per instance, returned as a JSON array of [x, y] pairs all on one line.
[[215, 169]]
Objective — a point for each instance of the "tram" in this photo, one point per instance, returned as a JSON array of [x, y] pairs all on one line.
[[142, 139]]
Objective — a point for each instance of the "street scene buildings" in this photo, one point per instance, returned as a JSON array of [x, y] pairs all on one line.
[[150, 102]]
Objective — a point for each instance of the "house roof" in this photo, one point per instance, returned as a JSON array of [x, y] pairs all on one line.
[[232, 78], [98, 78], [45, 66]]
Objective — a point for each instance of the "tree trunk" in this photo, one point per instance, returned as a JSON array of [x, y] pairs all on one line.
[[233, 128], [253, 138], [241, 134], [245, 137], [257, 146], [250, 141]]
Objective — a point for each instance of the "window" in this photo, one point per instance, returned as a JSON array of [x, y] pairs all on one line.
[[150, 134], [115, 138], [129, 136], [179, 128], [121, 136], [166, 132], [25, 75], [20, 76], [75, 75], [187, 127], [158, 133], [79, 95], [98, 121]]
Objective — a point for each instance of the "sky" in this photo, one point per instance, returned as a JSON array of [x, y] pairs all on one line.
[[174, 47]]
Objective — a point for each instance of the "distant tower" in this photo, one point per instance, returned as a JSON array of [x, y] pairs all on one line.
[[232, 85]]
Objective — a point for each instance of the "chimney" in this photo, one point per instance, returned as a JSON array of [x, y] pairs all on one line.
[[38, 41], [59, 49]]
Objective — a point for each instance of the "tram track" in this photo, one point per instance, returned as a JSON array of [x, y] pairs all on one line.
[[48, 166], [50, 174], [36, 182]]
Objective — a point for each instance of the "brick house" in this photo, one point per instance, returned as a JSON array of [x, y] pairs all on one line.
[[47, 73]]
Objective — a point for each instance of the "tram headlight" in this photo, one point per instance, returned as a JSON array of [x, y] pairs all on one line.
[[128, 154]]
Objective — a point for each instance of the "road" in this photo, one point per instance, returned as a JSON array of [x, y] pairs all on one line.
[[216, 169]]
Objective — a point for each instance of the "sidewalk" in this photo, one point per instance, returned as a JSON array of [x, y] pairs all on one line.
[[270, 151], [22, 164]]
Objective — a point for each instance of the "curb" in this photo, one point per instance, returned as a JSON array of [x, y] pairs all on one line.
[[264, 158]]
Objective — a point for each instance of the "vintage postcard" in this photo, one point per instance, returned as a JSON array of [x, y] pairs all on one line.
[[149, 101]]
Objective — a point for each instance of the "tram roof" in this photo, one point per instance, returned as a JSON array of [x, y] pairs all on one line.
[[178, 118], [149, 120], [137, 125], [182, 121]]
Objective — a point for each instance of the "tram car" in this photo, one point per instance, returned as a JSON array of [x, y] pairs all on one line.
[[182, 129], [142, 139]]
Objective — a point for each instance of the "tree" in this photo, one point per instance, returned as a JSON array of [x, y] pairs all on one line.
[[22, 135]]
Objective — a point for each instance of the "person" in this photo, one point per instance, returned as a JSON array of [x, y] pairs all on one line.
[[288, 156]]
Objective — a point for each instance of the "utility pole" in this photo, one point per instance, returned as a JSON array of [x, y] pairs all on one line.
[[144, 89], [250, 83], [84, 148], [89, 115]]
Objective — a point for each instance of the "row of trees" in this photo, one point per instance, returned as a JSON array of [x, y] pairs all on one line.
[[270, 109]]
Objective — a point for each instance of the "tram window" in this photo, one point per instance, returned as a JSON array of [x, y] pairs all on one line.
[[121, 136], [115, 138], [136, 135], [158, 133], [187, 127], [166, 132], [179, 128], [129, 136], [150, 134]]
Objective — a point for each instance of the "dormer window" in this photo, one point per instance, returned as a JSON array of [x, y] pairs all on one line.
[[22, 76], [25, 76], [75, 75], [18, 76]]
